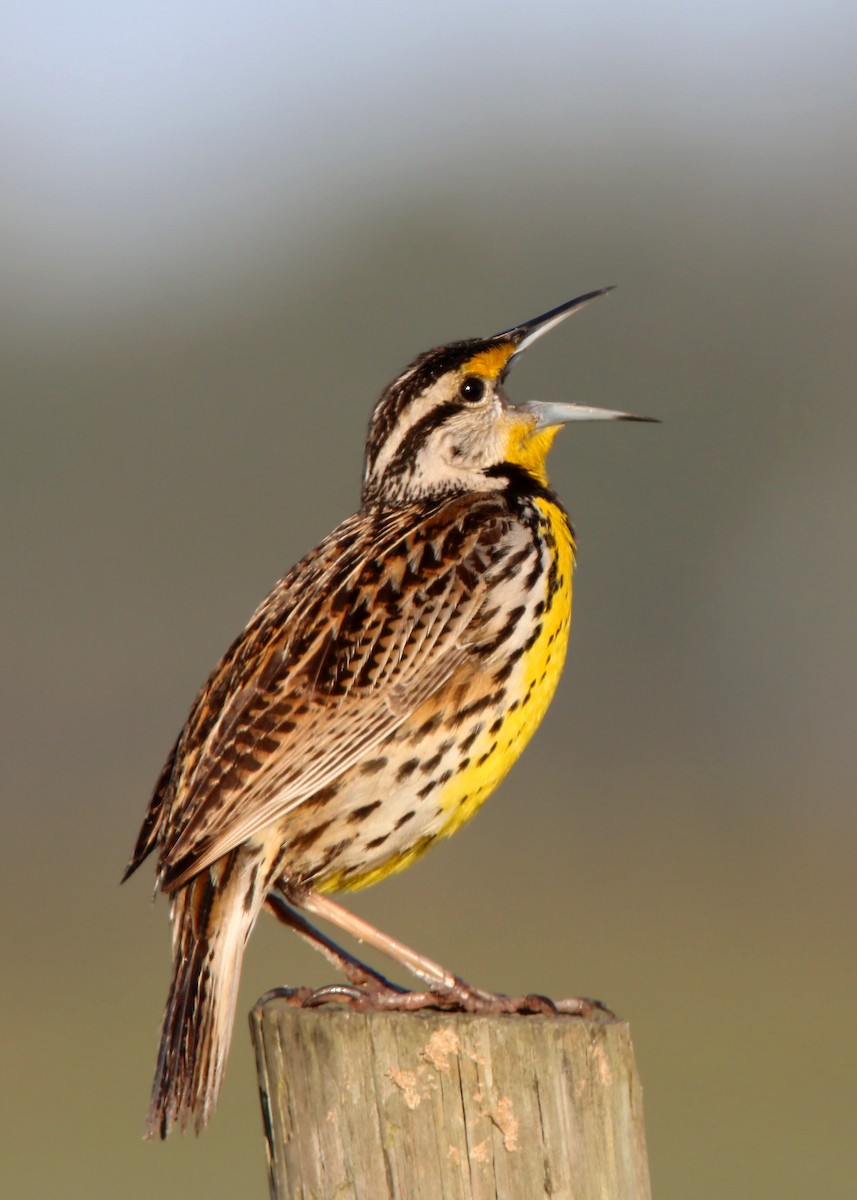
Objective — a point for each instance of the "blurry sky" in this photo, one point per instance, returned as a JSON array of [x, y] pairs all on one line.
[[224, 228]]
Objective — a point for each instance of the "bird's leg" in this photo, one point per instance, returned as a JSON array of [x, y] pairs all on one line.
[[368, 989], [356, 972], [445, 990], [424, 968]]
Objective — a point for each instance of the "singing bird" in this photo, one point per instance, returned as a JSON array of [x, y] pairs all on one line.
[[375, 699]]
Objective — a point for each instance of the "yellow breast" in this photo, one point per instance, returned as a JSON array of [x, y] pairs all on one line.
[[530, 689]]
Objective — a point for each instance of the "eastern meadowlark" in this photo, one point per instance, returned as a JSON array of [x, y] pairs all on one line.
[[375, 699]]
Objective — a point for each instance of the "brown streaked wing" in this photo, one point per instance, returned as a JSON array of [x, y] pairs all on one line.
[[348, 645], [150, 833]]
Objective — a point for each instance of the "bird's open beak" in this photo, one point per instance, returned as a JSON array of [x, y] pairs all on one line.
[[549, 415]]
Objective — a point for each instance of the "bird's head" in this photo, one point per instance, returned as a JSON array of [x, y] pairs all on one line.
[[446, 425]]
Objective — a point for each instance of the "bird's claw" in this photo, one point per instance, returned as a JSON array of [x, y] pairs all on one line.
[[460, 997]]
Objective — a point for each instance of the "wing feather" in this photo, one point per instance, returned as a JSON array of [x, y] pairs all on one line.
[[360, 634]]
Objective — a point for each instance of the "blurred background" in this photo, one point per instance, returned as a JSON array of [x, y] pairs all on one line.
[[224, 228]]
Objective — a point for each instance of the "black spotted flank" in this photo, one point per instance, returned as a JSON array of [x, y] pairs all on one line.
[[467, 742], [364, 811], [303, 841], [406, 769], [372, 766], [511, 624], [322, 796]]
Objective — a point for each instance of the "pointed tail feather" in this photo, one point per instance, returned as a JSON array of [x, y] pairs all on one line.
[[213, 916]]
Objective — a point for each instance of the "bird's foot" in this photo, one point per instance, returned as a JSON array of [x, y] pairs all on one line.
[[460, 997], [465, 998]]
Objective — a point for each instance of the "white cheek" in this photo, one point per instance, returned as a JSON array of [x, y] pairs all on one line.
[[439, 468], [472, 447]]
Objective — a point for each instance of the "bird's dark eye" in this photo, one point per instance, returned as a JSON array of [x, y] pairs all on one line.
[[472, 389]]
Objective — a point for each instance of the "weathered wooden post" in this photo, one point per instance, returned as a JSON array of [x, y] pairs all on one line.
[[447, 1106]]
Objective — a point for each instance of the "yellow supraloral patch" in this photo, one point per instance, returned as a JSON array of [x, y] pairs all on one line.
[[489, 363]]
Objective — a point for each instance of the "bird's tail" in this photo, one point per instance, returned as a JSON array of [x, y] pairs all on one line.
[[212, 918]]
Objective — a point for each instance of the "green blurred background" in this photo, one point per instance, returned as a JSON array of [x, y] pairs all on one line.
[[225, 227]]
